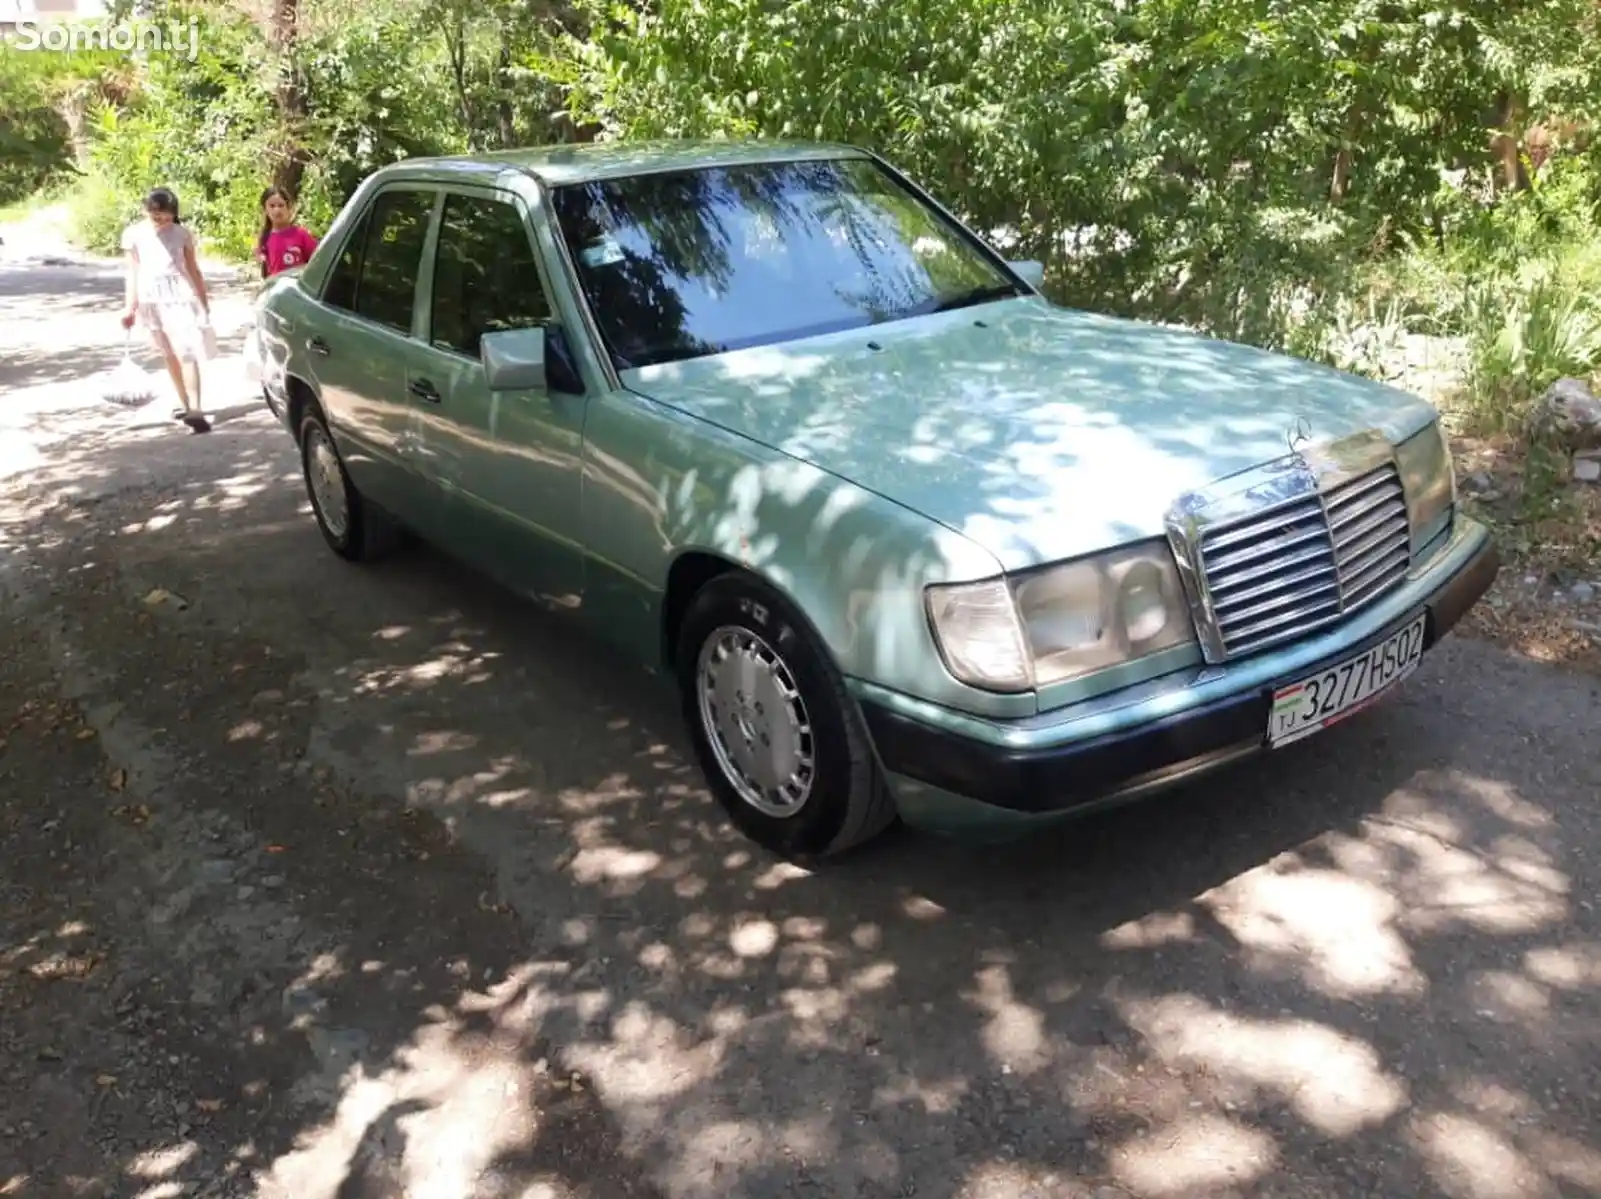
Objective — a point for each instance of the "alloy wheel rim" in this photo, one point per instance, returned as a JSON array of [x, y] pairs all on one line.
[[753, 714], [328, 484]]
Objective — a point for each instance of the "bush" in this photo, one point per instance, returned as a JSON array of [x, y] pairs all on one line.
[[1524, 333], [1525, 290], [99, 208]]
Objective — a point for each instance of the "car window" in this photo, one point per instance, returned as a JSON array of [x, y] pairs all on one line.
[[486, 277], [680, 264], [340, 290], [392, 256]]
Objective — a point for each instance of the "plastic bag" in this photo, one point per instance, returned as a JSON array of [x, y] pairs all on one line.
[[128, 386], [252, 356], [208, 338]]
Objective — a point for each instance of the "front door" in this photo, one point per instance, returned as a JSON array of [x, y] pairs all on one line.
[[357, 350], [510, 460]]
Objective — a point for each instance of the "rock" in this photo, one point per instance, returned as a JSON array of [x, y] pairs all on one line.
[[173, 907], [1587, 468], [302, 1001], [1569, 413], [1478, 482], [337, 1049], [161, 597], [1584, 593]]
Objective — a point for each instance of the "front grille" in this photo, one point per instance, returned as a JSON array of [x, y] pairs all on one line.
[[1282, 573], [1372, 538]]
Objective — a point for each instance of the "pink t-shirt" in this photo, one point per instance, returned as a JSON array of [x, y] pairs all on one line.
[[287, 247]]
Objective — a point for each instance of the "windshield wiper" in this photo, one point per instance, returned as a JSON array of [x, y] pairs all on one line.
[[978, 295]]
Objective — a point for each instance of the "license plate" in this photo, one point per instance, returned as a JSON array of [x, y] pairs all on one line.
[[1328, 697]]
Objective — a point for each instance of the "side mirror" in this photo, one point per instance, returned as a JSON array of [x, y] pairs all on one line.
[[514, 359], [1033, 273]]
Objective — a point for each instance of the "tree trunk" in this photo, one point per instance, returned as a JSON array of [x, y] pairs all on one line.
[[289, 163], [503, 113], [1504, 143], [455, 35], [1340, 180], [72, 107]]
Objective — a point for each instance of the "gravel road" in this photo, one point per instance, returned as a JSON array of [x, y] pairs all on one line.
[[325, 882]]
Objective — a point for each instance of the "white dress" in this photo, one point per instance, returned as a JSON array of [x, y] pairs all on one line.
[[164, 295]]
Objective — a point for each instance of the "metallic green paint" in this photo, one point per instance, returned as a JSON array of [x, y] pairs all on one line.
[[1042, 434], [506, 462], [561, 164], [659, 483], [848, 471]]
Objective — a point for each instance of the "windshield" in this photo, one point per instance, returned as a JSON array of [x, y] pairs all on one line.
[[682, 264]]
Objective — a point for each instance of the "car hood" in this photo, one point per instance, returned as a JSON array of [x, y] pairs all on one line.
[[1041, 433]]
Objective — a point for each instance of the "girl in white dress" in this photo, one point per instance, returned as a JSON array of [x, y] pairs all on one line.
[[166, 293]]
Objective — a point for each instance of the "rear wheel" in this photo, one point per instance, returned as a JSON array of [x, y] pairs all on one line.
[[355, 529], [779, 740]]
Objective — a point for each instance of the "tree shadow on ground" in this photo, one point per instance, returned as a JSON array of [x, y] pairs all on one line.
[[528, 950]]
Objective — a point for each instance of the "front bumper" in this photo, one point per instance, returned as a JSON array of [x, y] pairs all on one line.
[[1053, 765]]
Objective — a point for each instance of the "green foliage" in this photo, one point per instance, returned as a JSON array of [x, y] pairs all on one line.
[[1322, 178], [380, 82], [39, 93], [1217, 162], [98, 210], [1519, 280]]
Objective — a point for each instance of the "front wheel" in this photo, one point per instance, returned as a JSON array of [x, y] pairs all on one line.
[[354, 529], [778, 738]]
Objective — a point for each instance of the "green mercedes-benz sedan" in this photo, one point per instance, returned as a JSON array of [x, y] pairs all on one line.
[[910, 539]]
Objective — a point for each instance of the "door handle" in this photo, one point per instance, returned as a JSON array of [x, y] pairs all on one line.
[[317, 346], [424, 390]]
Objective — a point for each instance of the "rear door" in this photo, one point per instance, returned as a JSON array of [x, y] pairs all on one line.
[[356, 351], [510, 460]]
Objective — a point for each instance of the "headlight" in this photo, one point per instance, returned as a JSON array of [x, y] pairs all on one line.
[[1424, 461], [1062, 622], [976, 627]]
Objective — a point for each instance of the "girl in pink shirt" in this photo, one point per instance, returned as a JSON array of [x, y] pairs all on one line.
[[282, 243]]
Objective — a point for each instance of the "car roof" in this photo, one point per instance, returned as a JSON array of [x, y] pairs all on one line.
[[556, 165]]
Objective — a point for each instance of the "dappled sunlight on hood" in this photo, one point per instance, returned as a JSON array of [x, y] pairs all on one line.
[[1003, 421]]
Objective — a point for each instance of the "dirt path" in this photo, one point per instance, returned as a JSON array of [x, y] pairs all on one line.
[[322, 882]]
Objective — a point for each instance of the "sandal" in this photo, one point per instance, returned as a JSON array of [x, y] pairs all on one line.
[[196, 422]]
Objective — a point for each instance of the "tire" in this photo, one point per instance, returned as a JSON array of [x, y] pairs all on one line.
[[363, 533], [845, 801]]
